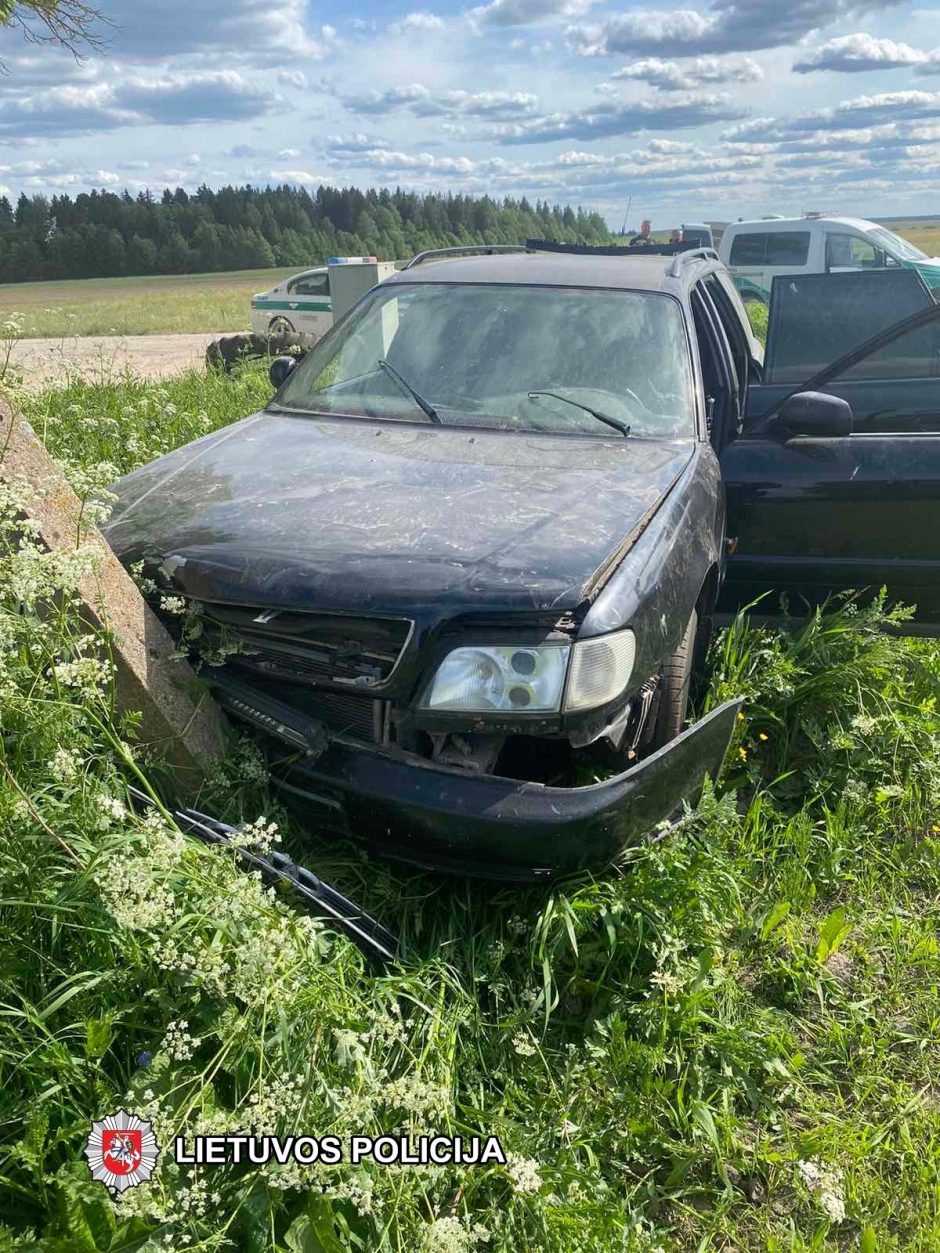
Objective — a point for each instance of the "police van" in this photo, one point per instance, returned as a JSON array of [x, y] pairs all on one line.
[[755, 252]]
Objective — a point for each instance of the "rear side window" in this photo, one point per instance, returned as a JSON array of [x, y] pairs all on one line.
[[770, 248], [748, 250]]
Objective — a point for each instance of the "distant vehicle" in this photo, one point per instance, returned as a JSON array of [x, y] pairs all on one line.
[[756, 252], [299, 305], [698, 233], [305, 306]]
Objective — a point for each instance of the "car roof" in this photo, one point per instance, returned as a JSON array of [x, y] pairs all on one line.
[[772, 224], [544, 269]]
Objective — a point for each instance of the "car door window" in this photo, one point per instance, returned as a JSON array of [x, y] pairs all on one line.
[[852, 252], [914, 355], [817, 318], [311, 285]]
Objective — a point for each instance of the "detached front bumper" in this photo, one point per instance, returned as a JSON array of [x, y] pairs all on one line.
[[432, 816]]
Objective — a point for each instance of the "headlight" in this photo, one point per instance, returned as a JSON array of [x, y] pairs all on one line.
[[511, 679], [600, 670], [505, 680]]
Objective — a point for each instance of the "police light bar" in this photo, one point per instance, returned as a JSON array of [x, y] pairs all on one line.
[[351, 260]]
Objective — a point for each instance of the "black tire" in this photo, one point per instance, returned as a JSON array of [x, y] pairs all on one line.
[[674, 684], [279, 327]]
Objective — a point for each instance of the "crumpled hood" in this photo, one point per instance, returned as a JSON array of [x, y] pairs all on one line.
[[344, 514]]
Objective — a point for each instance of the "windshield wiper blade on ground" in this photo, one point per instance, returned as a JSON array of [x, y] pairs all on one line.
[[415, 396], [595, 413]]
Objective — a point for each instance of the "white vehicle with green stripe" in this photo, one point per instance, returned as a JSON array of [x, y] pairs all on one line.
[[756, 252], [300, 305]]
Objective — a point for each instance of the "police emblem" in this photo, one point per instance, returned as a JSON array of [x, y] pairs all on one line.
[[122, 1150]]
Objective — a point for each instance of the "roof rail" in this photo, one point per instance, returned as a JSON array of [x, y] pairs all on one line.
[[692, 254], [609, 250], [435, 254]]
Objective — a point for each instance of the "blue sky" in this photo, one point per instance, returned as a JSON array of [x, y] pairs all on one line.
[[732, 108]]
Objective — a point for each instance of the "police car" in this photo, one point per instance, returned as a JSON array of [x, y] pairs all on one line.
[[300, 305]]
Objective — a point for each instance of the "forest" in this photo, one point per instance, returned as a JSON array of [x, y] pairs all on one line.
[[103, 234]]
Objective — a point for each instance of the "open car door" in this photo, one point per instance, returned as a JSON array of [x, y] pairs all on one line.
[[834, 481]]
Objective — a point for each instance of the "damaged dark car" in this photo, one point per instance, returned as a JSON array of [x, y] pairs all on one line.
[[474, 545]]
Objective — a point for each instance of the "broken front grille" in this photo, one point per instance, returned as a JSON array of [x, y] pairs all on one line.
[[308, 648]]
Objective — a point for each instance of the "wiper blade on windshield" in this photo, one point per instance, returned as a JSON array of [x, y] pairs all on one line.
[[415, 396], [595, 413]]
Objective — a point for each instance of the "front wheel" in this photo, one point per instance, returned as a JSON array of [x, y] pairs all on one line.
[[674, 685], [279, 326]]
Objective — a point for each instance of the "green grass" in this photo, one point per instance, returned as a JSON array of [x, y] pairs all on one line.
[[161, 304], [730, 1041]]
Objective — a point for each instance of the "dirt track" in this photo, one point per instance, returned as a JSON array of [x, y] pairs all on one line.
[[43, 361]]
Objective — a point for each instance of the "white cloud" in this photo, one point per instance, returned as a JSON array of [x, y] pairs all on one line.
[[299, 176], [728, 26], [610, 118], [212, 29], [856, 54], [692, 72], [293, 78], [421, 101], [172, 99], [853, 114], [525, 12], [419, 21]]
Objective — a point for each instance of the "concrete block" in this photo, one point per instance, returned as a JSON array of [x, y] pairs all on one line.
[[179, 717]]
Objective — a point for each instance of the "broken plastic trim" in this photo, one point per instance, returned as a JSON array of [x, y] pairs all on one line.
[[370, 936], [281, 720]]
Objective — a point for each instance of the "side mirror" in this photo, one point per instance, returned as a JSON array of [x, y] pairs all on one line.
[[813, 413], [279, 369]]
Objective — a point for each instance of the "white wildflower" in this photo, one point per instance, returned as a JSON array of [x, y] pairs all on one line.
[[178, 1043], [349, 1046], [87, 674], [173, 604], [133, 896], [523, 1173], [668, 980], [64, 765], [111, 810], [523, 1044], [453, 1235], [259, 835]]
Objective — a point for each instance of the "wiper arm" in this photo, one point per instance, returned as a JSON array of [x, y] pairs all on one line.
[[415, 396], [595, 413]]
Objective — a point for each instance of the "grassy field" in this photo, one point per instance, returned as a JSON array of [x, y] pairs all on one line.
[[923, 235], [169, 304], [162, 304], [728, 1042]]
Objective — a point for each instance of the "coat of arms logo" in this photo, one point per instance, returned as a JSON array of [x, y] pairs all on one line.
[[122, 1150]]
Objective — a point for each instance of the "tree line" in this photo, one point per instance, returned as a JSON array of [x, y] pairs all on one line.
[[103, 234]]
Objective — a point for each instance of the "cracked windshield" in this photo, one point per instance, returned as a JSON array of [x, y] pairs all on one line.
[[563, 360]]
